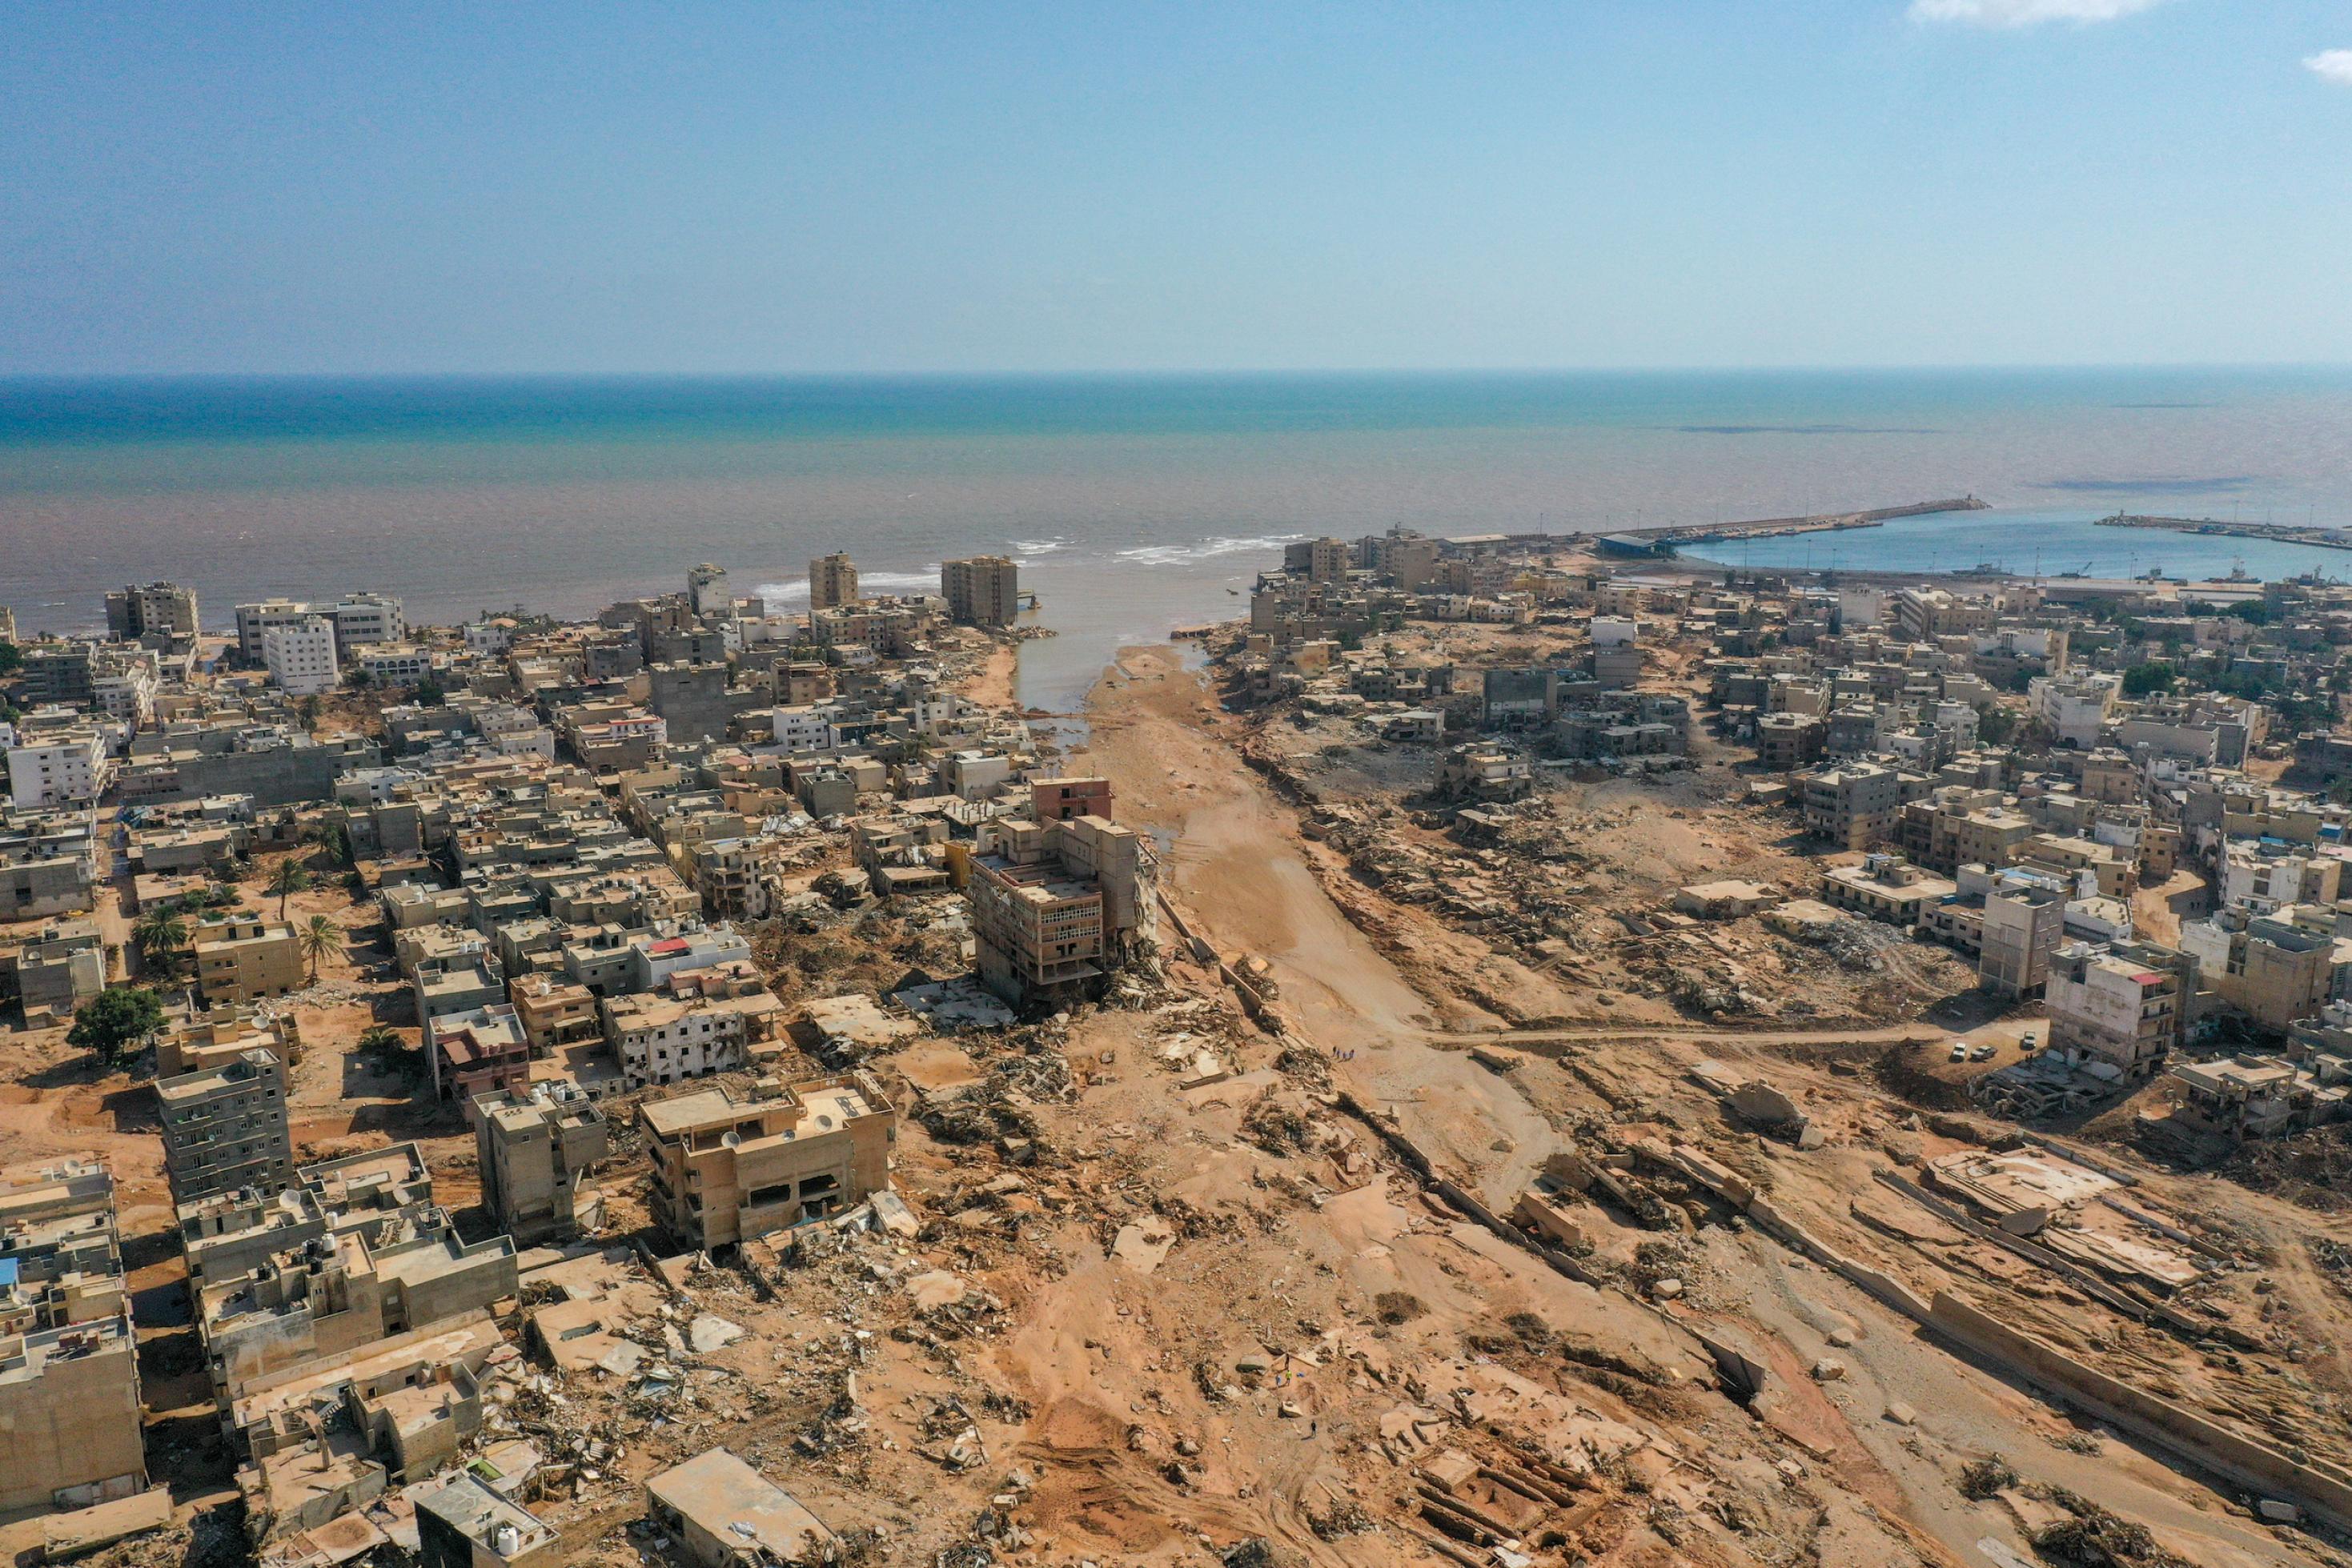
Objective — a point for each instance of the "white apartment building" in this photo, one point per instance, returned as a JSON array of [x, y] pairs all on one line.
[[255, 620], [59, 768], [2077, 705], [301, 656], [364, 618], [804, 729]]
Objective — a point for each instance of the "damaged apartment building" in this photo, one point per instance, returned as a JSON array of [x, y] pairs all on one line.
[[1060, 901]]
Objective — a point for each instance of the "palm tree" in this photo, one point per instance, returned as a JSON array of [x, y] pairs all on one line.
[[162, 934], [287, 880], [317, 939]]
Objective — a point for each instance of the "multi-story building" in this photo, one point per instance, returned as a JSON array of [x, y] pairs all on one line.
[[392, 1272], [225, 1127], [729, 1169], [57, 970], [124, 684], [54, 768], [1884, 887], [984, 591], [49, 863], [2124, 1002], [160, 614], [2023, 920], [668, 1039], [243, 957], [255, 619], [706, 590], [300, 655], [1854, 806], [1055, 903], [535, 1148], [2272, 970], [70, 1430], [1788, 741], [366, 619], [476, 1051], [832, 582]]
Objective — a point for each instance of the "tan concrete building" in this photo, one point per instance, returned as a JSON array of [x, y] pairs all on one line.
[[243, 959], [832, 582], [69, 1415], [729, 1169], [984, 591], [1853, 806], [536, 1149], [2022, 923]]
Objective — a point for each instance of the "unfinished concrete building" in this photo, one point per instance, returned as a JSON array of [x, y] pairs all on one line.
[[230, 1233], [536, 1148], [729, 1167], [225, 1127]]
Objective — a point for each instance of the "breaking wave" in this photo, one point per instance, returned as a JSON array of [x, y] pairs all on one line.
[[869, 582], [1205, 549]]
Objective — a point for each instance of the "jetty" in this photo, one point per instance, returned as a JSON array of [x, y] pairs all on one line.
[[2277, 533], [1663, 539]]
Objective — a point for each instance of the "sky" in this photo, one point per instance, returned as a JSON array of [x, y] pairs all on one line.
[[918, 187]]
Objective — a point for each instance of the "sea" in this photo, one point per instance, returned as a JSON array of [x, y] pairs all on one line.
[[1135, 504]]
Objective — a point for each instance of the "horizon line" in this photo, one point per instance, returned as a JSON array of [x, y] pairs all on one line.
[[1170, 373]]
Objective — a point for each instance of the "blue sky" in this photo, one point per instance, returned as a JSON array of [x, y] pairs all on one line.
[[1202, 185]]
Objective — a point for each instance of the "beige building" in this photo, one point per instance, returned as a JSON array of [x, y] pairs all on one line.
[[243, 959], [724, 1513], [1055, 904], [2271, 969], [1884, 887], [2022, 923], [832, 582], [535, 1150], [983, 591], [729, 1168], [69, 1415], [1853, 806]]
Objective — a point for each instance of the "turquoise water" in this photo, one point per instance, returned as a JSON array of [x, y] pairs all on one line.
[[1135, 503]]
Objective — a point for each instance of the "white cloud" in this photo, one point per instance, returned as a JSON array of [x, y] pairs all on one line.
[[2335, 65], [2023, 12]]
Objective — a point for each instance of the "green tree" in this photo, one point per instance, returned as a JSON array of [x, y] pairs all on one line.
[[114, 1021], [1995, 724], [429, 692], [288, 878], [162, 934], [12, 658], [2141, 679], [319, 938]]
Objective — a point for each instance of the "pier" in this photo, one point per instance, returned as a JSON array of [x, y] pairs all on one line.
[[2277, 533], [1663, 539]]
